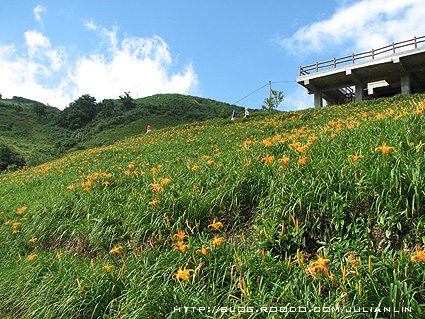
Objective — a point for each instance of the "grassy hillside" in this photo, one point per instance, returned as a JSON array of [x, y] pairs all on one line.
[[160, 111], [23, 131], [309, 214], [41, 138]]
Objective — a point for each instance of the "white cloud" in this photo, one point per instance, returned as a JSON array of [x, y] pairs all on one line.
[[36, 41], [38, 11], [109, 36], [40, 51], [363, 25], [43, 72], [138, 65], [21, 76], [298, 100]]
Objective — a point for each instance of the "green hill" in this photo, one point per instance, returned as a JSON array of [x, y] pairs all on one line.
[[24, 133], [43, 134], [311, 214], [160, 111]]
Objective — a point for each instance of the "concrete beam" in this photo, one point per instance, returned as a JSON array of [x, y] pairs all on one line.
[[400, 66], [352, 75]]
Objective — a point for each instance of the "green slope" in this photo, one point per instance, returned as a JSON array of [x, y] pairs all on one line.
[[160, 111], [297, 214], [23, 131], [39, 139]]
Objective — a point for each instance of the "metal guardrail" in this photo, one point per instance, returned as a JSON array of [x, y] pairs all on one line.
[[304, 70]]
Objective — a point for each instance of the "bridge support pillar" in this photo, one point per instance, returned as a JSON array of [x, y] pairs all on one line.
[[318, 102], [359, 91], [406, 87]]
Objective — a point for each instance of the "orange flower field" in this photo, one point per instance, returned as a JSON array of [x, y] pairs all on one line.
[[310, 210]]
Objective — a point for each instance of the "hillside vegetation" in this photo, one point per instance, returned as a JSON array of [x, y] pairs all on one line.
[[32, 133], [310, 214]]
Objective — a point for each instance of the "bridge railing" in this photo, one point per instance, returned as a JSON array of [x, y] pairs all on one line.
[[304, 70]]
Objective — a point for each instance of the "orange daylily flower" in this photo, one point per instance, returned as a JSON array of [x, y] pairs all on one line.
[[180, 245], [180, 234], [319, 265], [204, 251], [165, 181], [302, 160], [246, 143], [301, 148], [154, 202], [116, 250], [31, 256], [267, 142], [268, 159], [384, 148], [155, 187], [108, 267], [419, 255], [295, 145], [22, 209], [216, 225], [354, 157], [284, 160], [217, 240], [15, 225], [182, 274], [33, 240]]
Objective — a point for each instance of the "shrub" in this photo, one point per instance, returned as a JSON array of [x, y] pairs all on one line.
[[8, 156]]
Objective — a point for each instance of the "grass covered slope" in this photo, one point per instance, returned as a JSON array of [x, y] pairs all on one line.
[[317, 208], [114, 121], [26, 133], [40, 133]]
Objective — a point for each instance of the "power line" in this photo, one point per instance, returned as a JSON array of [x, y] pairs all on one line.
[[251, 93], [260, 89], [285, 82]]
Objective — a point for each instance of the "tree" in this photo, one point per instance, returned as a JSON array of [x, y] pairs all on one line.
[[40, 109], [8, 156], [107, 108], [79, 113], [273, 101], [127, 101]]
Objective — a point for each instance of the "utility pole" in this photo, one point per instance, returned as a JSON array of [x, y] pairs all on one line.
[[270, 86]]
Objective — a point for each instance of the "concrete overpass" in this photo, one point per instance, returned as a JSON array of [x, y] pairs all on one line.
[[386, 72]]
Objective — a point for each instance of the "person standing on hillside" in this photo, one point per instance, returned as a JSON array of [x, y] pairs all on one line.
[[149, 129], [246, 112], [234, 114]]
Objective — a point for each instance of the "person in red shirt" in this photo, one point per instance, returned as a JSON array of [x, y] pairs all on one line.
[[149, 129]]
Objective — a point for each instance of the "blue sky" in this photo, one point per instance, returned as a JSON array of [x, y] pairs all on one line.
[[54, 51]]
